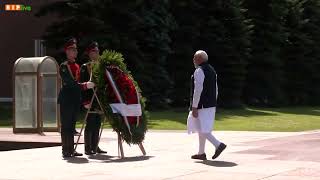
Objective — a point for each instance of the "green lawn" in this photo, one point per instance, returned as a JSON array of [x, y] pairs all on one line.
[[247, 119]]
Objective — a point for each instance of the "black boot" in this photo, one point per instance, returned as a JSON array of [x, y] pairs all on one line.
[[71, 146], [65, 147], [95, 143], [77, 154], [100, 151], [88, 143]]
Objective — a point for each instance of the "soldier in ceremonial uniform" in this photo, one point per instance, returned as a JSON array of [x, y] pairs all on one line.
[[70, 97], [93, 125]]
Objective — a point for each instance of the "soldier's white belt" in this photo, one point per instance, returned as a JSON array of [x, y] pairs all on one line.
[[126, 109]]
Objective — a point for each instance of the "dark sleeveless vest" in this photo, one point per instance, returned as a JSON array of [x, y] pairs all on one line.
[[208, 96]]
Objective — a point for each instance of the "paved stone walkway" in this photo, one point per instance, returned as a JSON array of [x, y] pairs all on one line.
[[249, 156]]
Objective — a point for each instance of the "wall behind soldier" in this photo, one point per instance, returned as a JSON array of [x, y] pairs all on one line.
[[18, 30]]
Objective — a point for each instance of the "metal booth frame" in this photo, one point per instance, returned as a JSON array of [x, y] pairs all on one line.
[[39, 95]]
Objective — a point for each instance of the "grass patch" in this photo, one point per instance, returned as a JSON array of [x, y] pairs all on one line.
[[247, 119]]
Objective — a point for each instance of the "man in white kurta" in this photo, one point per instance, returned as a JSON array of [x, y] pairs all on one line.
[[203, 100]]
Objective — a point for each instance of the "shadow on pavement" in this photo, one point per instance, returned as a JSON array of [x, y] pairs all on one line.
[[77, 160], [218, 163], [129, 159], [101, 157], [107, 159]]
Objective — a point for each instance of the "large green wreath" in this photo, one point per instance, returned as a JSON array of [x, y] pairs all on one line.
[[115, 59]]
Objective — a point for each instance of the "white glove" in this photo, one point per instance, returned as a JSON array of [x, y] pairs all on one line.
[[87, 106], [90, 85]]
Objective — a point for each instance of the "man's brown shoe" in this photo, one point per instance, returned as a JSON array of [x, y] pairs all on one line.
[[219, 150], [199, 156]]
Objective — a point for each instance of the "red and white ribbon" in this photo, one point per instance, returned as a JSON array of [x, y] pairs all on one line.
[[116, 91]]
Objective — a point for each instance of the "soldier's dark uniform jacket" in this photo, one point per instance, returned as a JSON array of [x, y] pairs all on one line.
[[71, 88]]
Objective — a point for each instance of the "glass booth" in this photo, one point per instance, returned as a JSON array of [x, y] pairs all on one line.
[[35, 89]]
